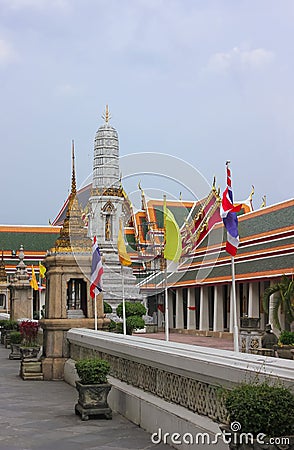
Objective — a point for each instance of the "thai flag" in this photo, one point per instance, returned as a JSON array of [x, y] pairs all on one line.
[[228, 214], [97, 270]]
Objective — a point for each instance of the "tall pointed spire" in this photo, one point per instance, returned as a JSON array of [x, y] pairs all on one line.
[[73, 235], [73, 175]]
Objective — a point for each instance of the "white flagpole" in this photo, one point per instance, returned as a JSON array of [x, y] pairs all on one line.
[[123, 301], [95, 313], [166, 304], [235, 322]]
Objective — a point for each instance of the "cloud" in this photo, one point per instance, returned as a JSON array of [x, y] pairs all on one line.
[[7, 53], [238, 59]]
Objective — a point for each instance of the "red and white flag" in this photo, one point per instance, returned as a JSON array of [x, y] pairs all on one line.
[[97, 270]]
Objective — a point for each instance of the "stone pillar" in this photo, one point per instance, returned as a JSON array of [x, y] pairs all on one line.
[[191, 318], [218, 319], [204, 318], [253, 300], [21, 292], [179, 309]]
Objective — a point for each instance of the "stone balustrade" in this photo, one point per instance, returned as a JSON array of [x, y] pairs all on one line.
[[185, 375]]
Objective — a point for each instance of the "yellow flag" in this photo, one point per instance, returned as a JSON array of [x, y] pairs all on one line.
[[33, 281], [173, 241], [124, 258], [42, 270]]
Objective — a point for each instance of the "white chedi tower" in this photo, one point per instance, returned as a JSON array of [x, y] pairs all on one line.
[[106, 210]]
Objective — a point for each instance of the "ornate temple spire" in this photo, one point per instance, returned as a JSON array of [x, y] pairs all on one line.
[[3, 273], [73, 176], [73, 235]]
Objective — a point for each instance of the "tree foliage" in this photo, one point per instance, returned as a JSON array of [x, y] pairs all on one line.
[[132, 309]]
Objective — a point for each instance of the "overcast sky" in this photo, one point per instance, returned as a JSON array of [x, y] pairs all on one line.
[[204, 81]]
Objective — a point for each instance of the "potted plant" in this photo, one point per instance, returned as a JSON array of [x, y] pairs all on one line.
[[9, 326], [261, 416], [2, 329], [93, 388], [29, 332], [285, 346], [15, 341]]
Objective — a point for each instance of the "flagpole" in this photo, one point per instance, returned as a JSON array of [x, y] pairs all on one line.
[[95, 312], [235, 324], [166, 304], [123, 301]]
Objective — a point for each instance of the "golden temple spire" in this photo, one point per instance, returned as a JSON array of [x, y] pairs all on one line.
[[106, 115], [73, 175]]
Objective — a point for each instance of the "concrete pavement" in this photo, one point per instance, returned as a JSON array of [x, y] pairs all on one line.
[[40, 415]]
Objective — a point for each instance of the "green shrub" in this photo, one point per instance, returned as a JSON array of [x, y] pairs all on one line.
[[107, 308], [132, 309], [15, 337], [3, 322], [287, 338], [261, 408], [112, 325], [92, 370], [11, 325], [132, 323]]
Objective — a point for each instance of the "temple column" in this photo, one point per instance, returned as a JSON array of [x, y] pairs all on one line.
[[253, 300], [218, 318], [179, 309], [191, 319], [170, 310], [204, 318]]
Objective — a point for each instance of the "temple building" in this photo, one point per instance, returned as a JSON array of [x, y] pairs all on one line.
[[200, 299]]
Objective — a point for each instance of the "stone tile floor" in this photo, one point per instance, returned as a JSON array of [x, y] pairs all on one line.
[[40, 415], [203, 341]]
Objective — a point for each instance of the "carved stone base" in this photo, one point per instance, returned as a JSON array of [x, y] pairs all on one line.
[[31, 369]]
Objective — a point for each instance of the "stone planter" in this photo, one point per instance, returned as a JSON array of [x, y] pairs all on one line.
[[285, 352], [29, 352], [15, 351], [93, 400], [249, 322]]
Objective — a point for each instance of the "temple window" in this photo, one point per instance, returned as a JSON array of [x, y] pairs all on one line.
[[2, 300], [76, 294]]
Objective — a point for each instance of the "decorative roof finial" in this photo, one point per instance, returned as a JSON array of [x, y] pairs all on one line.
[[263, 205], [251, 193], [73, 175], [106, 116]]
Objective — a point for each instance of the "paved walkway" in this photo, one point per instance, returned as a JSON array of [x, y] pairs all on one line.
[[203, 341], [40, 415]]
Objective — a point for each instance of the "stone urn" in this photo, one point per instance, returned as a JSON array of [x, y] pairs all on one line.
[[29, 352], [93, 400]]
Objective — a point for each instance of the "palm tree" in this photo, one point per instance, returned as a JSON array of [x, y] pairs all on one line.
[[285, 300]]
